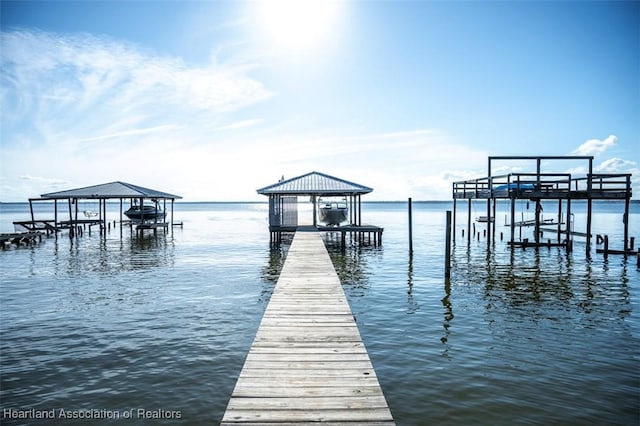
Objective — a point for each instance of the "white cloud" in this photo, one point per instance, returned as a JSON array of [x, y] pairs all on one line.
[[595, 146], [83, 86], [240, 124], [617, 165], [84, 110], [132, 132], [415, 163], [47, 180]]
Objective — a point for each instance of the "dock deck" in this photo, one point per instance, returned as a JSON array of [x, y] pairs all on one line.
[[308, 363]]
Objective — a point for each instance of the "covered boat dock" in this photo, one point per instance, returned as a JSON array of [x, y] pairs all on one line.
[[102, 193], [283, 207]]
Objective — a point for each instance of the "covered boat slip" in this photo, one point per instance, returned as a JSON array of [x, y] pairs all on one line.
[[540, 185], [307, 364], [135, 195], [321, 189]]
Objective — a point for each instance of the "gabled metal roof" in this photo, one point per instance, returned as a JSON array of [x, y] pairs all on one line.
[[110, 190], [315, 183]]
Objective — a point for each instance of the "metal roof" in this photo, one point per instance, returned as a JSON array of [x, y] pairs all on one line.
[[111, 190], [315, 183]]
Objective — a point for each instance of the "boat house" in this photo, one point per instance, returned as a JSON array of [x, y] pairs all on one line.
[[122, 191], [321, 189]]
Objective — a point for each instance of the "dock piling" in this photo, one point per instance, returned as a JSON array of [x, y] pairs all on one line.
[[447, 252], [410, 227]]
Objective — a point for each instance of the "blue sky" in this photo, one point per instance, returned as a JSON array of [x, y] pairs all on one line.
[[212, 100]]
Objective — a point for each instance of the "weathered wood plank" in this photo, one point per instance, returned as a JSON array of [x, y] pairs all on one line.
[[307, 363], [313, 403], [308, 415], [307, 381], [369, 373], [318, 350], [387, 423], [261, 357], [298, 345], [274, 390]]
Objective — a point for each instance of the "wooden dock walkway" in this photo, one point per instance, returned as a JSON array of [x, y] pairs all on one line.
[[307, 363]]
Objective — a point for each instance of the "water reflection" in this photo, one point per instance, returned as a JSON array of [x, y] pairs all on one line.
[[546, 285], [271, 271], [448, 314], [107, 257], [412, 303], [351, 265]]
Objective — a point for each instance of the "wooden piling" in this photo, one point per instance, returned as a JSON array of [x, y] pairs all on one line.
[[410, 227], [469, 223], [447, 252]]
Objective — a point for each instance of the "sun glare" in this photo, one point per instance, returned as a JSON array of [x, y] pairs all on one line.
[[298, 24]]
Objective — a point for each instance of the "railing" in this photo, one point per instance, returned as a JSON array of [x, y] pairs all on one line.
[[34, 225], [559, 185], [513, 184], [604, 183]]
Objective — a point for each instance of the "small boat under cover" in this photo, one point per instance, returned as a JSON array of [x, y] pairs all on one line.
[[147, 212], [333, 212]]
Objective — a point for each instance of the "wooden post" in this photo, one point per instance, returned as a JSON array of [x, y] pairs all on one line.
[[104, 215], [315, 211], [589, 210], [488, 229], [490, 189], [493, 234], [31, 209], [55, 216], [454, 220], [410, 228], [606, 247], [447, 256], [589, 189], [626, 216], [569, 245], [172, 220], [559, 220], [537, 221], [512, 226], [469, 224]]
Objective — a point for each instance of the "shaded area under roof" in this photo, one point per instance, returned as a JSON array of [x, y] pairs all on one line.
[[315, 183], [110, 190]]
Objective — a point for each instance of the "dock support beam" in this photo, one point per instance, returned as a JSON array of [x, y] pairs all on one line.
[[469, 223], [454, 220], [512, 225], [626, 219], [410, 229], [447, 251]]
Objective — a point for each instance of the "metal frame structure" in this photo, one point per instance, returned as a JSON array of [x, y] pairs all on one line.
[[539, 185], [103, 192]]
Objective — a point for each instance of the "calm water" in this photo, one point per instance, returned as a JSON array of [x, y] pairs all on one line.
[[163, 324]]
